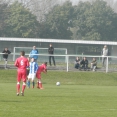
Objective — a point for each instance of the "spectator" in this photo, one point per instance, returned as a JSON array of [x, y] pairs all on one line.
[[93, 64], [77, 63], [104, 53], [5, 52], [84, 63], [34, 53], [51, 52]]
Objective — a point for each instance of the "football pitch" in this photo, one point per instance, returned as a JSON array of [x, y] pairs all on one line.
[[81, 94]]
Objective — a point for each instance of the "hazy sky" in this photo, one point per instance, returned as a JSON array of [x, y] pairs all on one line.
[[76, 1]]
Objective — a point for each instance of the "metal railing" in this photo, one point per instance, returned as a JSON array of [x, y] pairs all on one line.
[[66, 62]]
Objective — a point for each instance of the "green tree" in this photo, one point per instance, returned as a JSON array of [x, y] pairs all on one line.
[[58, 22], [3, 17], [95, 21], [21, 23]]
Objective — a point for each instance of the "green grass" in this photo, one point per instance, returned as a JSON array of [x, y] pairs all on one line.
[[81, 94]]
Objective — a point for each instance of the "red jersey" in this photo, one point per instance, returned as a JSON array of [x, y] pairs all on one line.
[[41, 68], [21, 63]]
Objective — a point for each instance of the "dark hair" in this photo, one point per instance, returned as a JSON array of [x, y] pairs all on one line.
[[45, 63], [22, 53]]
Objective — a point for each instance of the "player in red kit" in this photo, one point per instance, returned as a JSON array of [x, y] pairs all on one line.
[[41, 68], [21, 63]]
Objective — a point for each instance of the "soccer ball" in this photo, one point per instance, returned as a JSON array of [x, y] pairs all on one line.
[[57, 83]]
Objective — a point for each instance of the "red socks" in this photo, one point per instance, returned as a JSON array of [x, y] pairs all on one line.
[[39, 85], [18, 88], [23, 88]]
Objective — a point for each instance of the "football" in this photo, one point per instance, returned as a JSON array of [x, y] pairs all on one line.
[[57, 83]]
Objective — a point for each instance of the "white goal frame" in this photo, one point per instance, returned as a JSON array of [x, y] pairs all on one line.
[[14, 50]]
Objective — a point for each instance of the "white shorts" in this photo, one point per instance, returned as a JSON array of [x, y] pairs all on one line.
[[32, 76]]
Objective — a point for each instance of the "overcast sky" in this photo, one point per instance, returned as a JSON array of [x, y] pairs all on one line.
[[76, 1]]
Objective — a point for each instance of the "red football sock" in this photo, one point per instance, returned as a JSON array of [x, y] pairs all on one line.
[[18, 88], [40, 85], [37, 84], [23, 88]]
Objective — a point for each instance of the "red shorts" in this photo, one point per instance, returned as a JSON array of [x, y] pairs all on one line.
[[38, 75], [21, 75]]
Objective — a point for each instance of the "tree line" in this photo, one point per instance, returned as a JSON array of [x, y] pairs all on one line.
[[90, 20]]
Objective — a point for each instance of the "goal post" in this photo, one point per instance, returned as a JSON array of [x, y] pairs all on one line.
[[57, 51]]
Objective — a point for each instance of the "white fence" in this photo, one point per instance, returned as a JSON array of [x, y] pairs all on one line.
[[66, 62]]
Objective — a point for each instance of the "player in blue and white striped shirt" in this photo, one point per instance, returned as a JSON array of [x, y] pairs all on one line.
[[32, 73]]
